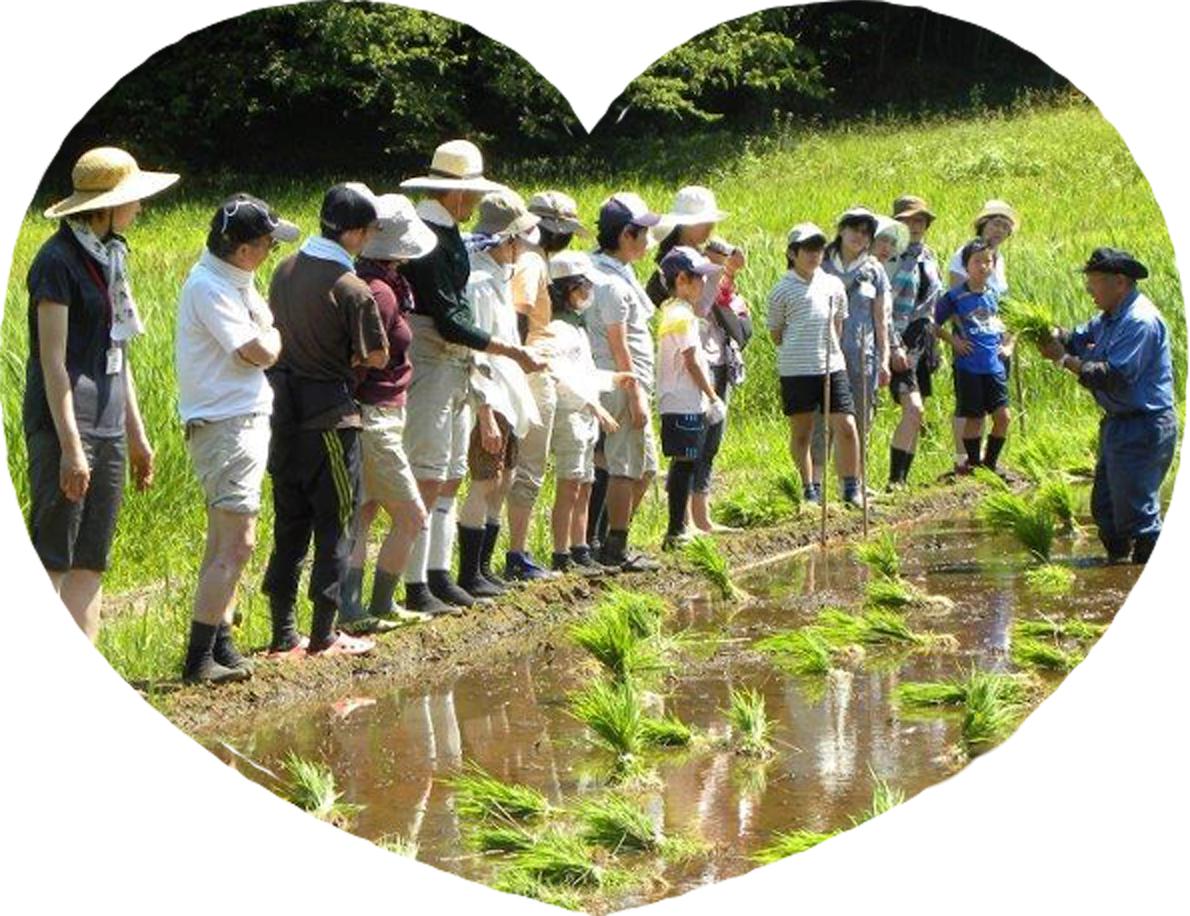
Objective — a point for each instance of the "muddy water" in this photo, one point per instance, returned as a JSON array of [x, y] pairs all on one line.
[[391, 751]]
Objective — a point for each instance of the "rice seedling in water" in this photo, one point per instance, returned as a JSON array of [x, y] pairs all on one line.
[[645, 613], [1049, 579], [1027, 320], [884, 798], [610, 637], [500, 838], [991, 479], [991, 711], [481, 796], [890, 593], [616, 823], [668, 731], [1033, 653], [1059, 497], [880, 555], [874, 627], [784, 845], [955, 691], [1058, 629], [311, 787], [803, 651], [514, 880], [1032, 524], [613, 713], [395, 843], [558, 858], [682, 848], [704, 554], [751, 727]]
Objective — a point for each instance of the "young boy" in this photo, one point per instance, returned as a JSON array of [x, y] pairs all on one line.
[[686, 398], [805, 318], [981, 342]]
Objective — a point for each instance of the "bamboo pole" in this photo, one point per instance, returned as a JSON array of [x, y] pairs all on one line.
[[826, 425], [862, 426]]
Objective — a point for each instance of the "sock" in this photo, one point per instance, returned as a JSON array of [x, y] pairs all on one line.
[[972, 447], [384, 584], [677, 483], [615, 545], [224, 651], [992, 455], [906, 464], [850, 487], [470, 551], [351, 592], [415, 566], [442, 529], [322, 629], [491, 534], [285, 634], [596, 503], [198, 652], [897, 459]]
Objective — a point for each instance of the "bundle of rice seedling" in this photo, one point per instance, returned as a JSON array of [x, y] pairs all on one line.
[[616, 823], [955, 691], [1032, 524], [1027, 320], [668, 731], [1049, 579], [890, 593], [884, 798], [558, 858], [874, 627], [613, 712], [789, 485], [515, 880], [311, 787], [1048, 452], [1033, 653], [802, 651], [1057, 495], [880, 555], [481, 796], [752, 729], [1058, 629], [703, 553], [645, 613], [784, 845], [500, 838], [401, 846], [991, 711], [609, 635], [991, 479]]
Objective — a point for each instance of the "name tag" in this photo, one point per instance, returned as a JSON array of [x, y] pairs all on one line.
[[115, 360], [867, 290]]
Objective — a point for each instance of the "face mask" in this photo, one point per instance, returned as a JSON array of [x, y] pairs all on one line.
[[583, 303]]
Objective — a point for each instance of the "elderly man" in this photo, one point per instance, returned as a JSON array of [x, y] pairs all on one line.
[[1122, 357], [225, 341]]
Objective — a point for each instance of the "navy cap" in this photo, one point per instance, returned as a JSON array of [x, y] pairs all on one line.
[[684, 259], [349, 206], [243, 218], [1114, 261], [624, 208]]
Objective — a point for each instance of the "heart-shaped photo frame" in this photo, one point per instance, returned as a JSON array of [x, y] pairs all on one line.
[[600, 745]]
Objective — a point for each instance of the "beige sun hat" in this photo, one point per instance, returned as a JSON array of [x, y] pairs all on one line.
[[402, 235], [558, 212], [504, 213], [997, 208], [693, 205], [457, 166], [108, 177]]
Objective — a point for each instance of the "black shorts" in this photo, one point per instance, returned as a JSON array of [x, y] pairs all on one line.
[[803, 394], [978, 395], [65, 534], [683, 435]]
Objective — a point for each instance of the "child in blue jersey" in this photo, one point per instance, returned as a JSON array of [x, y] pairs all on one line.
[[967, 318]]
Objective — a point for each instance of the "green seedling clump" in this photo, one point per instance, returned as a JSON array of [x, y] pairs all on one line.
[[1033, 653], [560, 859], [613, 712], [789, 844], [609, 635], [514, 880], [1058, 629], [1031, 523], [668, 731], [704, 554], [645, 613], [991, 711], [616, 823], [1057, 495], [1030, 321], [1049, 579], [500, 838], [311, 787], [803, 651], [751, 727], [880, 555], [956, 691], [481, 796], [884, 798]]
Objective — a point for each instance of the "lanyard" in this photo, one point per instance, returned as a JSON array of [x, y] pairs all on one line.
[[109, 315]]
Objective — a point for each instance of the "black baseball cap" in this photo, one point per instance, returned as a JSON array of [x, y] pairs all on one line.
[[243, 218], [1115, 261], [347, 206]]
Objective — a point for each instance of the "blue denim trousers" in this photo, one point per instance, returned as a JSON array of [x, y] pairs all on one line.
[[1135, 453]]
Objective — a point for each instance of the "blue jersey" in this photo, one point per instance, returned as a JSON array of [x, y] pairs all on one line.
[[979, 323]]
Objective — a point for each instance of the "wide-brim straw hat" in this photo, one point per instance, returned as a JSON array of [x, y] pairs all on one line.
[[457, 165], [997, 208], [108, 177], [402, 235], [693, 205]]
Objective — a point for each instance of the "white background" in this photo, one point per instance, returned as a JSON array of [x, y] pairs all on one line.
[[108, 808]]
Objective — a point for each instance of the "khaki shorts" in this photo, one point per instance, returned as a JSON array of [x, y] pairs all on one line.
[[534, 448], [230, 457], [483, 465], [575, 435], [437, 418], [628, 452], [387, 477]]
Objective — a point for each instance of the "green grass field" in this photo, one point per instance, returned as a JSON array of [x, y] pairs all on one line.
[[1065, 169]]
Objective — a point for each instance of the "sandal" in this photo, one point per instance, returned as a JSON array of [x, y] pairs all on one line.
[[345, 645], [363, 626]]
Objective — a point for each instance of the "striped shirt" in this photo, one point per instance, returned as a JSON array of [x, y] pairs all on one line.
[[802, 311]]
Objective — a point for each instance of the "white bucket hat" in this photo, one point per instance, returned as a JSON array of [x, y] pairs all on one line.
[[566, 264], [693, 205], [457, 165], [402, 236], [108, 177], [887, 227]]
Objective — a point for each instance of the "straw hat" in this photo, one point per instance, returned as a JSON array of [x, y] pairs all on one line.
[[893, 229], [402, 236], [108, 177], [694, 205], [457, 166], [997, 208]]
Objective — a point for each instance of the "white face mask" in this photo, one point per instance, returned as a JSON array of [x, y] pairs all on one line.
[[583, 303]]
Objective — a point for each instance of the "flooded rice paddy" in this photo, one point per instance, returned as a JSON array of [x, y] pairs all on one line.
[[390, 750]]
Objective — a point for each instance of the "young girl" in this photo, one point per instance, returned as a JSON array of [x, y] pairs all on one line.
[[579, 414]]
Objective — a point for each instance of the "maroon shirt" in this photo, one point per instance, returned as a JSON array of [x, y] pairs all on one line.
[[386, 387]]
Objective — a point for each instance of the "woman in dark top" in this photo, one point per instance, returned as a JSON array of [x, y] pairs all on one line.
[[81, 418]]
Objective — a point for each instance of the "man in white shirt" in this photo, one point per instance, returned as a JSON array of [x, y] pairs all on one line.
[[225, 340]]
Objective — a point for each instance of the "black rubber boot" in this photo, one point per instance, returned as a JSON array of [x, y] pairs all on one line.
[[225, 652], [201, 667], [491, 534], [446, 589], [1142, 548], [418, 597], [471, 580]]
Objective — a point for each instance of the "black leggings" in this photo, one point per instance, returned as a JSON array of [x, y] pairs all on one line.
[[714, 438], [677, 483]]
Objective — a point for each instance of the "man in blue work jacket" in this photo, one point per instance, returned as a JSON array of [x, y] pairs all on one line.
[[1122, 357]]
